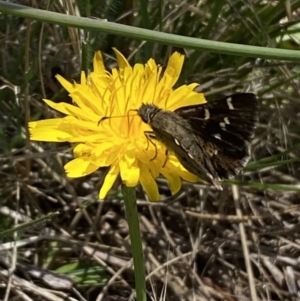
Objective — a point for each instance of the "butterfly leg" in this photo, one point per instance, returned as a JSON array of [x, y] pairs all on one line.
[[150, 135], [166, 160]]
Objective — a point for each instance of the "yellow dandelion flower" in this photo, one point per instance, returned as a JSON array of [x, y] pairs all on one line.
[[106, 129]]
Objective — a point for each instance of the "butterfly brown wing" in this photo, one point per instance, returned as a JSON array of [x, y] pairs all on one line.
[[175, 132], [223, 130]]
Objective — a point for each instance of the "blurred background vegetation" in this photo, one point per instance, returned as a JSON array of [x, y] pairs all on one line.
[[85, 254]]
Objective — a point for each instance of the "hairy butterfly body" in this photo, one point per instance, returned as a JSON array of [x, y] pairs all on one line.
[[210, 140]]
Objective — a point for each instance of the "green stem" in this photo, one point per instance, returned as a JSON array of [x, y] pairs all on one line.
[[148, 35], [136, 242]]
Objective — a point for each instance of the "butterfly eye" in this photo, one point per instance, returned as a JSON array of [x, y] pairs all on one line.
[[148, 112], [151, 116]]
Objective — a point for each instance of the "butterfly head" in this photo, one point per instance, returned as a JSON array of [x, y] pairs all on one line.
[[147, 112]]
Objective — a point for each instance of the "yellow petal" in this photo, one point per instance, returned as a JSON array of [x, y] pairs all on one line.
[[104, 154], [48, 130], [174, 166], [72, 110], [66, 84], [173, 69], [83, 80], [182, 97], [80, 167], [148, 183], [122, 62], [173, 179], [98, 63], [108, 156], [109, 181], [129, 169], [192, 86], [81, 150]]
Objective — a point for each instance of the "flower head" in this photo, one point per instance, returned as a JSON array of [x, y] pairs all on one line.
[[106, 130]]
